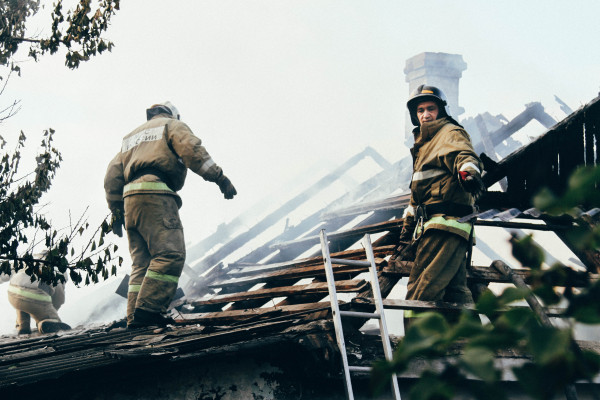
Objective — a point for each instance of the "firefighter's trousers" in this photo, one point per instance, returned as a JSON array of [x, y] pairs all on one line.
[[36, 303], [157, 248], [439, 272]]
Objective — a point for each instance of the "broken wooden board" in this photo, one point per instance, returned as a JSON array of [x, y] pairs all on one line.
[[419, 305], [311, 288], [254, 313], [294, 273], [380, 251], [395, 224], [396, 202], [480, 274]]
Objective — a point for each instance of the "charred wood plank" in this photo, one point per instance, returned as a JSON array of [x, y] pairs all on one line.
[[294, 273], [420, 305], [253, 314], [380, 251], [391, 203], [311, 288], [395, 224], [390, 238], [339, 244], [481, 274]]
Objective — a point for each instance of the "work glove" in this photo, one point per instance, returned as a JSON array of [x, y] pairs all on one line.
[[226, 187], [405, 249], [471, 183], [118, 221]]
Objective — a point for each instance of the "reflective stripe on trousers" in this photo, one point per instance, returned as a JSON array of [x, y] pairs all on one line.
[[134, 288], [162, 277]]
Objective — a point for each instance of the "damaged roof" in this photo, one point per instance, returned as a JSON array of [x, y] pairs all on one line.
[[273, 295]]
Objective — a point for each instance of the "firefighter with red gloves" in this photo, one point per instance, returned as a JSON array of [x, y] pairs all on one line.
[[445, 184]]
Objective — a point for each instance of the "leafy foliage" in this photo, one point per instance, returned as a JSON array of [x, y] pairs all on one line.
[[26, 234], [555, 360], [27, 239], [78, 30]]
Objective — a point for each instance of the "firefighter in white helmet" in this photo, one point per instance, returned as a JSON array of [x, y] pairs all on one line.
[[446, 182], [141, 185]]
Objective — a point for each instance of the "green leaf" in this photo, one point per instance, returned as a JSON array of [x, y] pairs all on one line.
[[585, 314], [512, 294], [547, 294], [430, 386], [548, 345], [425, 336], [516, 318], [534, 381], [527, 252], [488, 303], [480, 362], [468, 326]]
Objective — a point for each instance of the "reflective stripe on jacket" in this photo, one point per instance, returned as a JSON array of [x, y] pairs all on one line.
[[163, 144], [441, 150], [33, 294]]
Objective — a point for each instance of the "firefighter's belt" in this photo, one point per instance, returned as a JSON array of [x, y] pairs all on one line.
[[425, 211]]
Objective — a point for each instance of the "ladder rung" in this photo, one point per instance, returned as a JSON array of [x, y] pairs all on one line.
[[357, 314], [359, 369], [352, 263]]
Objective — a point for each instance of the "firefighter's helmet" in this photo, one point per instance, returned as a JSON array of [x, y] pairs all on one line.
[[162, 108], [427, 93]]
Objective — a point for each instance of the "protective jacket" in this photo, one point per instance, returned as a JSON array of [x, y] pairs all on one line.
[[38, 300], [21, 284], [154, 158], [441, 150]]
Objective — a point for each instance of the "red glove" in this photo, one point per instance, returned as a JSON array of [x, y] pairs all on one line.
[[471, 183]]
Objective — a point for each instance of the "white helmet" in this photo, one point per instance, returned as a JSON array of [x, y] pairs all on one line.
[[162, 108]]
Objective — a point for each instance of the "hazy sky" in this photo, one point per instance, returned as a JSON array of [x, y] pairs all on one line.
[[274, 87]]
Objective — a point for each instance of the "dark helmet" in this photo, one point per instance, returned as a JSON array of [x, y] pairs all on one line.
[[162, 108], [427, 93]]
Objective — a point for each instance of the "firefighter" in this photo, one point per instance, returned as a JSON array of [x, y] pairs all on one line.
[[446, 181], [38, 300], [141, 185]]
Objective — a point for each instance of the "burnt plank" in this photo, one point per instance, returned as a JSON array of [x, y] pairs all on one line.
[[252, 314], [395, 224], [419, 305], [478, 273], [391, 203], [295, 273], [306, 262], [386, 282], [311, 288]]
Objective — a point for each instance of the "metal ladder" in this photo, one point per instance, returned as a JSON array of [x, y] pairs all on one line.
[[337, 314]]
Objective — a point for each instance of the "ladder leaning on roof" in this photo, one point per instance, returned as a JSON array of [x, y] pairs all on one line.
[[337, 314]]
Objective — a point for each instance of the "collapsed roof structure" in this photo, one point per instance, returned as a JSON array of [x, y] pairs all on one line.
[[258, 326]]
